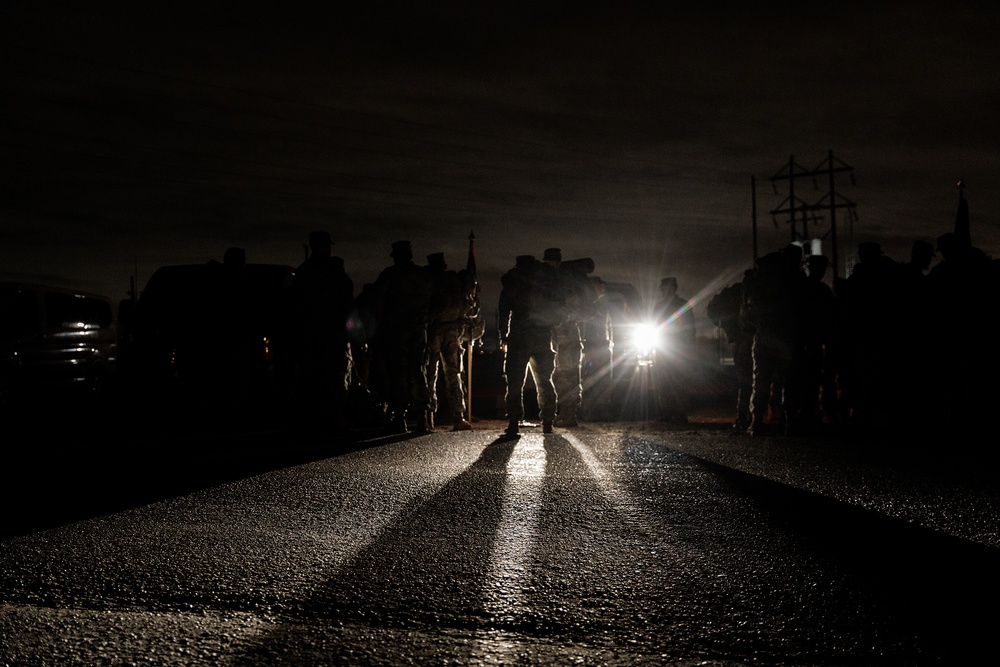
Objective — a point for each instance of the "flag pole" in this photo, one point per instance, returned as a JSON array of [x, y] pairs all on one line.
[[962, 227], [471, 268]]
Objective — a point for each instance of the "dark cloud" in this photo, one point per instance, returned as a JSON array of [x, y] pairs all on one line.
[[158, 133]]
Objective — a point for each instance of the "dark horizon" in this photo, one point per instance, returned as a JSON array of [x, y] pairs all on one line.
[[628, 133]]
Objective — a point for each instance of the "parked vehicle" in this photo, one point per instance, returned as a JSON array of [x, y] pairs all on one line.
[[54, 339], [206, 336]]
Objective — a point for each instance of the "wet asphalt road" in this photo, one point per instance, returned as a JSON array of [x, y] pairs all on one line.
[[586, 546]]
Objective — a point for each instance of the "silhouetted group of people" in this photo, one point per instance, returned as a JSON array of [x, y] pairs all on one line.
[[397, 347], [545, 308], [380, 351], [391, 341], [894, 344]]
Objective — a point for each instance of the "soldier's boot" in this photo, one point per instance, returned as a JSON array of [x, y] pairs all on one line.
[[566, 417], [460, 424], [397, 424], [512, 429], [547, 426], [425, 422]]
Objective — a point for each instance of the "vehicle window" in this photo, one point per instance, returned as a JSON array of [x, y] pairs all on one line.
[[18, 314], [71, 311]]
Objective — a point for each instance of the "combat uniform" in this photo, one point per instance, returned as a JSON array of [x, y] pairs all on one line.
[[530, 305], [402, 295], [579, 296], [452, 307], [322, 299], [774, 305], [676, 320]]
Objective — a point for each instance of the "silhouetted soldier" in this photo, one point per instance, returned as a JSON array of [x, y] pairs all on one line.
[[402, 296], [915, 339], [963, 313], [220, 375], [872, 327], [775, 294], [368, 391], [726, 311], [578, 297], [675, 319], [598, 352], [819, 390], [322, 299], [568, 345], [921, 256], [451, 309], [530, 305]]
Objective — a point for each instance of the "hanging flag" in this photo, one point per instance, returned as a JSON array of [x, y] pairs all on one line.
[[471, 264]]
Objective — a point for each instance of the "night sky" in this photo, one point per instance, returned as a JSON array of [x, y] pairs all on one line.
[[141, 134]]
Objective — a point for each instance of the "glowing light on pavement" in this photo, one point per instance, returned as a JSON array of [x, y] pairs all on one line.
[[518, 527]]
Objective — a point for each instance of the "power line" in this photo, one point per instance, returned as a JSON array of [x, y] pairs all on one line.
[[794, 206]]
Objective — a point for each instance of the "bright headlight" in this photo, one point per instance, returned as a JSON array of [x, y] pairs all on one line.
[[645, 338]]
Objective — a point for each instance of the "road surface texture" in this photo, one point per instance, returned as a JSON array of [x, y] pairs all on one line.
[[609, 544]]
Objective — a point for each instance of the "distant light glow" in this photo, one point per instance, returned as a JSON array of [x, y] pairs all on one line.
[[647, 340]]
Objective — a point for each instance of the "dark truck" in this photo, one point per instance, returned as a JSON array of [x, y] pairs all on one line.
[[203, 336], [55, 342]]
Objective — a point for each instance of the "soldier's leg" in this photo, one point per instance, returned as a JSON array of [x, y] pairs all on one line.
[[397, 390], [743, 367], [542, 365], [568, 381], [340, 383], [451, 356], [419, 388], [515, 373], [432, 362], [760, 394]]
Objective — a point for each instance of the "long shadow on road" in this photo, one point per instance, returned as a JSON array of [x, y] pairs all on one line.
[[937, 584], [65, 471], [421, 569]]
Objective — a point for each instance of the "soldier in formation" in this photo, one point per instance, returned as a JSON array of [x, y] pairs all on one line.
[[530, 305], [895, 344], [322, 299], [454, 321], [726, 311], [773, 301], [579, 299], [401, 297], [675, 319]]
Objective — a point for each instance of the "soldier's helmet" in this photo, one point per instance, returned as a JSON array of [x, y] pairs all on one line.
[[435, 260]]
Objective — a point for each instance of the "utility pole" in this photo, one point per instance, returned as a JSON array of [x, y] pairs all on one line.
[[833, 200], [792, 205]]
